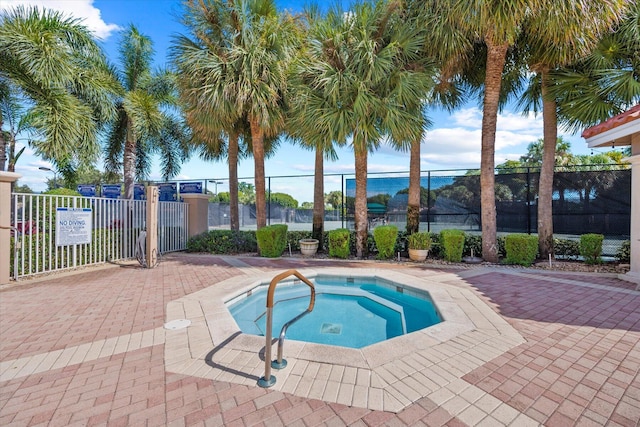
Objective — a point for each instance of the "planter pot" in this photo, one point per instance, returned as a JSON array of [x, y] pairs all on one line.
[[418, 254], [309, 246]]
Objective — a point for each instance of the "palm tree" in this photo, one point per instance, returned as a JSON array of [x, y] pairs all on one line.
[[557, 35], [235, 64], [446, 92], [17, 122], [300, 125], [227, 146], [457, 27], [54, 64], [204, 77], [144, 124], [606, 82], [360, 65], [308, 107]]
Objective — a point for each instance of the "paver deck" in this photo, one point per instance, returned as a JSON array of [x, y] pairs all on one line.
[[88, 348]]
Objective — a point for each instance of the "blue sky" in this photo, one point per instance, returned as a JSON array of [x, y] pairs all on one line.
[[453, 142]]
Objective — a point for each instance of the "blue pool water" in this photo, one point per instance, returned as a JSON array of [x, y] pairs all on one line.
[[345, 314]]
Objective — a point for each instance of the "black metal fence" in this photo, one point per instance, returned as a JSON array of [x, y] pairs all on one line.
[[586, 199]]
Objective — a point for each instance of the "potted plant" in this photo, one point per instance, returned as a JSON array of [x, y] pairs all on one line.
[[419, 245], [308, 247]]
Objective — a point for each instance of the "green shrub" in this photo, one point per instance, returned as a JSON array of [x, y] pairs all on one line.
[[473, 242], [62, 192], [272, 240], [624, 252], [521, 249], [223, 242], [591, 248], [452, 244], [339, 243], [35, 257], [420, 240], [436, 247], [566, 248], [385, 237], [501, 246]]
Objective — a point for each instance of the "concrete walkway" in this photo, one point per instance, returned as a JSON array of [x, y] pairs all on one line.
[[89, 348]]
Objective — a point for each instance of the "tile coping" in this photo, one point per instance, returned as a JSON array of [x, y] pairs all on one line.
[[388, 375]]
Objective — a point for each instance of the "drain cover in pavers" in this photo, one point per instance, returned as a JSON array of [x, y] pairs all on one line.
[[177, 324]]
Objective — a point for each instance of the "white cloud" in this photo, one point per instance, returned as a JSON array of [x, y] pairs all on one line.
[[81, 9], [468, 117], [510, 121], [32, 176]]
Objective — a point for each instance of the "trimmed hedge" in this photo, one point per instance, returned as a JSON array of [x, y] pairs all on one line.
[[624, 253], [452, 244], [591, 248], [473, 242], [385, 237], [223, 242], [521, 249], [566, 248], [339, 240], [272, 240]]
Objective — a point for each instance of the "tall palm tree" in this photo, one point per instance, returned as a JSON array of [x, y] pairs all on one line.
[[557, 35], [235, 67], [145, 124], [446, 91], [307, 113], [457, 26], [54, 64], [359, 63], [204, 79]]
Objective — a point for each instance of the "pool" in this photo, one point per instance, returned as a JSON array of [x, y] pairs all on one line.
[[385, 376], [349, 312]]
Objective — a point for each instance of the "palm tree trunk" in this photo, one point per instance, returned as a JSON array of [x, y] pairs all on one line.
[[318, 196], [129, 161], [496, 56], [13, 157], [545, 185], [361, 223], [234, 218], [3, 146], [257, 140], [413, 205]]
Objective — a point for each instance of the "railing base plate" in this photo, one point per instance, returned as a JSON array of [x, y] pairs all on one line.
[[281, 365], [266, 383]]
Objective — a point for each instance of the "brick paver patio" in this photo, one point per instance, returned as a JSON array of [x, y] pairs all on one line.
[[88, 348]]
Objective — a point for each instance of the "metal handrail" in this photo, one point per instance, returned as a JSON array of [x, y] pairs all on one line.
[[281, 363], [268, 380]]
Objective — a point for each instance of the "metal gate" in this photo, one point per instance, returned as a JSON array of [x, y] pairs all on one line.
[[111, 235]]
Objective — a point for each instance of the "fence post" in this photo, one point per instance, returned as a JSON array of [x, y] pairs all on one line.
[[198, 218], [429, 201], [342, 202], [634, 272], [269, 201], [151, 243], [6, 179], [528, 201]]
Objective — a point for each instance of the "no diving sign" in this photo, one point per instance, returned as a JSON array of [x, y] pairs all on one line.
[[73, 226]]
